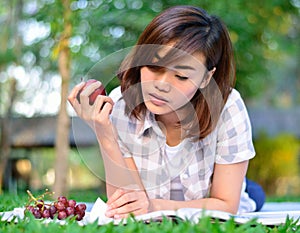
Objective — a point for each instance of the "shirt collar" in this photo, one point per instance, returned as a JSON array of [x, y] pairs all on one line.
[[148, 123]]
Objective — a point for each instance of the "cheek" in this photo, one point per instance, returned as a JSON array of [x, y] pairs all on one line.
[[183, 95], [145, 74], [146, 79], [188, 91]]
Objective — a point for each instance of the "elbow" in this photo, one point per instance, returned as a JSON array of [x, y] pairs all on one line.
[[233, 211], [232, 208]]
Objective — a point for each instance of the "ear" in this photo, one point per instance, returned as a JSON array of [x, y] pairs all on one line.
[[207, 78]]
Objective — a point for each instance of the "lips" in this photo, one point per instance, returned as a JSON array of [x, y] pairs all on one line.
[[157, 100]]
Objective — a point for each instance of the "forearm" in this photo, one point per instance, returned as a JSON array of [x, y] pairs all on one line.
[[116, 172], [119, 172], [205, 203]]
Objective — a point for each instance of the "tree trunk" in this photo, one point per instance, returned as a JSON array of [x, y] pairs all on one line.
[[62, 147], [6, 133], [14, 14]]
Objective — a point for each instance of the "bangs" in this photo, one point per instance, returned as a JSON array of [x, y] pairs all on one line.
[[149, 55]]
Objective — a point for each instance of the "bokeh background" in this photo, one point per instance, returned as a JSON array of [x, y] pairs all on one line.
[[47, 46]]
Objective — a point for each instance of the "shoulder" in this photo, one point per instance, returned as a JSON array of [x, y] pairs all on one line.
[[234, 134], [234, 99], [234, 106], [234, 119]]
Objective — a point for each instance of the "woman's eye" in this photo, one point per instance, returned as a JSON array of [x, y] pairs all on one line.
[[181, 77]]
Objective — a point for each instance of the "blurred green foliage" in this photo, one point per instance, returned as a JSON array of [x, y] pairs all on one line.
[[265, 36], [276, 158]]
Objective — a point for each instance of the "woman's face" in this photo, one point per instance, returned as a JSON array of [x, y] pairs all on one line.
[[166, 90]]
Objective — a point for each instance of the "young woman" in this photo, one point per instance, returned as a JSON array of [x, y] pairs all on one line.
[[176, 134]]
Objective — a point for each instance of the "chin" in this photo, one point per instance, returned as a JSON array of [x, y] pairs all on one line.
[[157, 110]]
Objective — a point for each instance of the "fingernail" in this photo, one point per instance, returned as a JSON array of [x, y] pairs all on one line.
[[108, 213], [116, 216], [79, 84]]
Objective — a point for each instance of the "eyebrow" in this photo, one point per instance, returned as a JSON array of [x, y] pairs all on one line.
[[181, 67]]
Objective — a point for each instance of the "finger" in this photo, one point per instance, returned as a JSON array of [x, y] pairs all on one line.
[[130, 208], [106, 108], [102, 100], [130, 202], [107, 99], [120, 216], [126, 215], [72, 98], [89, 89], [123, 201], [74, 92], [127, 208], [122, 211], [140, 211], [117, 194]]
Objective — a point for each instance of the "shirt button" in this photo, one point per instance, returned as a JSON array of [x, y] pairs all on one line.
[[185, 176]]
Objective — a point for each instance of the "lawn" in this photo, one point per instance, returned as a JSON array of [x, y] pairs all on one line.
[[9, 201]]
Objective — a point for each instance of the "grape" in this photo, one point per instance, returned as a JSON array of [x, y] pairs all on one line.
[[37, 213], [70, 211], [62, 208], [60, 205], [40, 204], [80, 207], [72, 203], [62, 215], [79, 215], [83, 213], [46, 213], [63, 200], [52, 209]]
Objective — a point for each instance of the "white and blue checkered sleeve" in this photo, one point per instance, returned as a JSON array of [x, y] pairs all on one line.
[[234, 140]]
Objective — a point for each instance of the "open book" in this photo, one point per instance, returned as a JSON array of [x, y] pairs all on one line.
[[194, 215]]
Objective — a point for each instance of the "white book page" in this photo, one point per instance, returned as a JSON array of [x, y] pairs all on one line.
[[98, 212]]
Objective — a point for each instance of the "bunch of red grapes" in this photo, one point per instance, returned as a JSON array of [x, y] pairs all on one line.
[[62, 208]]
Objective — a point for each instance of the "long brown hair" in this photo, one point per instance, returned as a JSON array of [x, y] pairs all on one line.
[[193, 30]]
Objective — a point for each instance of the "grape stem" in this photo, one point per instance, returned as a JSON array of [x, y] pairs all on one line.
[[36, 199], [32, 198]]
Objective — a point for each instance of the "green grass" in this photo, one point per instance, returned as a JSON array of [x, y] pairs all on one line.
[[9, 201]]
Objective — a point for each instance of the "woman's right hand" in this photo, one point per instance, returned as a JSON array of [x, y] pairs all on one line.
[[97, 114]]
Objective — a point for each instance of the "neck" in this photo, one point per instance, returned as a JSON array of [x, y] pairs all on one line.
[[171, 127], [169, 120]]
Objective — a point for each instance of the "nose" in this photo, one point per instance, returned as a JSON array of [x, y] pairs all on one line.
[[162, 82]]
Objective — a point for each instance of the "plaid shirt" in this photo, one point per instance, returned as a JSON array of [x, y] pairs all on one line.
[[143, 140]]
